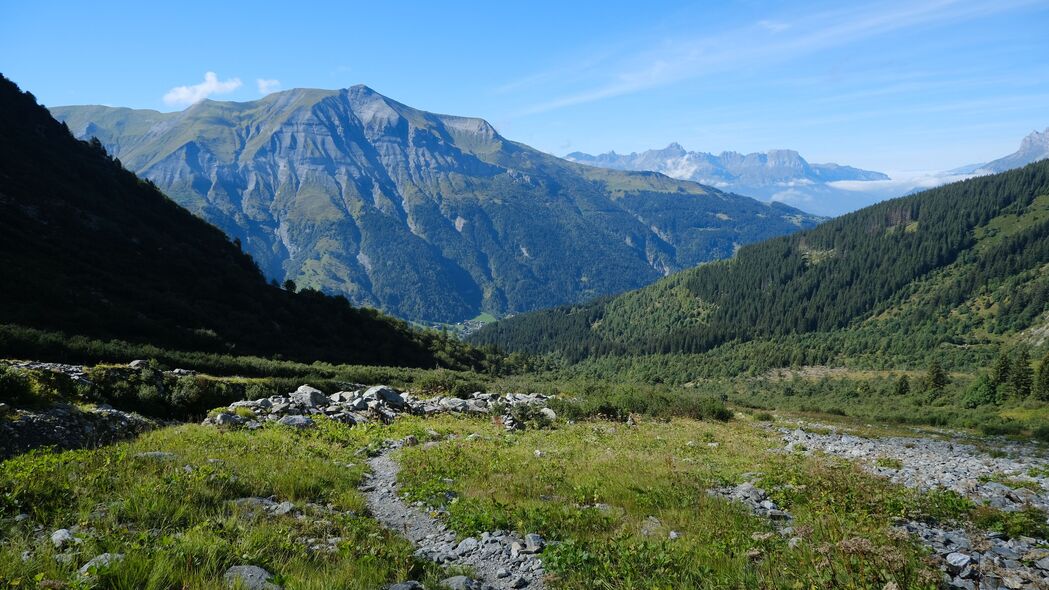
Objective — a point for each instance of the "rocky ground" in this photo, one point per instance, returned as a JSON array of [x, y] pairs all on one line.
[[499, 559], [66, 426], [1011, 476], [1008, 475], [377, 403]]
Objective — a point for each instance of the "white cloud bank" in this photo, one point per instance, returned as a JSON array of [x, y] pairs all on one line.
[[187, 95], [267, 86]]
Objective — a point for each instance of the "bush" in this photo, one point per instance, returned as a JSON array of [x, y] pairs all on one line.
[[981, 393], [15, 387], [1041, 433]]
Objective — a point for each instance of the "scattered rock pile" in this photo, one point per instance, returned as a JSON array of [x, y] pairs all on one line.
[[757, 501], [378, 403], [500, 559], [989, 561], [926, 463], [67, 427], [77, 373]]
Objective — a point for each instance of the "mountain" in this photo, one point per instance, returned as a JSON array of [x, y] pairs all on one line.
[[429, 217], [777, 175], [1033, 148], [958, 268], [88, 248]]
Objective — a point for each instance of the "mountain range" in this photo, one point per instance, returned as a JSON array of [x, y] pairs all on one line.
[[429, 217], [785, 176], [953, 271], [89, 249], [776, 175]]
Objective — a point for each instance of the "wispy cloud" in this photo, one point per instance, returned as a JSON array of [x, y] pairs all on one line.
[[187, 95], [267, 86], [666, 61]]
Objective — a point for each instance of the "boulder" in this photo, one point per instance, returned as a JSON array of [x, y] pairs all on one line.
[[309, 397], [458, 583], [101, 563], [62, 538], [386, 394], [227, 419], [296, 421], [249, 577], [138, 364]]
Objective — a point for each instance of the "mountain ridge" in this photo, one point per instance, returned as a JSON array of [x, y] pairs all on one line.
[[432, 217], [100, 253]]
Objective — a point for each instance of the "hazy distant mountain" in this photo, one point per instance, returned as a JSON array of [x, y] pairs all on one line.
[[777, 175], [1033, 148], [431, 217]]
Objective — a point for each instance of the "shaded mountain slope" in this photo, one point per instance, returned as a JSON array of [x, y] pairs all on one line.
[[88, 248]]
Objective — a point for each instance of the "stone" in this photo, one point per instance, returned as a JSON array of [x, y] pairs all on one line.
[[519, 582], [458, 583], [309, 397], [62, 538], [249, 577], [4, 409], [411, 440], [227, 419], [533, 543], [296, 421], [386, 394], [1042, 564], [956, 562], [409, 585], [548, 413], [138, 364], [101, 563], [466, 546]]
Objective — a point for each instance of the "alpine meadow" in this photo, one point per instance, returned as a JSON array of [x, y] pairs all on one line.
[[271, 328]]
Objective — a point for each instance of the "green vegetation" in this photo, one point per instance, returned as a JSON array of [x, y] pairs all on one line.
[[176, 521], [969, 277], [101, 253], [480, 224]]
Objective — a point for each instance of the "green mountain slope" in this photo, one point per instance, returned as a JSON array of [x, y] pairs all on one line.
[[430, 217], [962, 265], [88, 248]]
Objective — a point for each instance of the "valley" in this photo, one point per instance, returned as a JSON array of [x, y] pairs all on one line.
[[271, 329]]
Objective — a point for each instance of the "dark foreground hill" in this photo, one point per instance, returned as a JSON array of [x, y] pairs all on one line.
[[426, 216], [88, 248], [957, 267]]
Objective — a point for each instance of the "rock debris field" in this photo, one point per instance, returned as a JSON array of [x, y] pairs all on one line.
[[1014, 476]]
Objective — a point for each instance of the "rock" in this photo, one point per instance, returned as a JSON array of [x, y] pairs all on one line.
[[101, 563], [956, 562], [386, 394], [296, 421], [183, 372], [409, 585], [4, 409], [1043, 564], [62, 538], [548, 413], [249, 577], [227, 419], [138, 364], [533, 543], [466, 546], [458, 583], [411, 440], [309, 397], [519, 582]]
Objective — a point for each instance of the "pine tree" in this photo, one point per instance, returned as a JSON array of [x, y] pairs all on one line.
[[1021, 374], [1002, 366], [903, 386], [936, 379], [1041, 390]]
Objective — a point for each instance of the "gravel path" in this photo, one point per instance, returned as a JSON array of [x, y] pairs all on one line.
[[499, 559]]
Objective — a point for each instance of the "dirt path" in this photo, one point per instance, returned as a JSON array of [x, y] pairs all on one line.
[[499, 559]]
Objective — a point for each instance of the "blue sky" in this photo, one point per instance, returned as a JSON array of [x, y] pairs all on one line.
[[892, 86]]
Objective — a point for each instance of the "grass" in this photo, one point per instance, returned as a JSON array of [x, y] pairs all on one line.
[[593, 485], [175, 521]]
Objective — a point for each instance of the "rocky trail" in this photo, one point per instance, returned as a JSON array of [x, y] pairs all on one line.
[[499, 560]]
